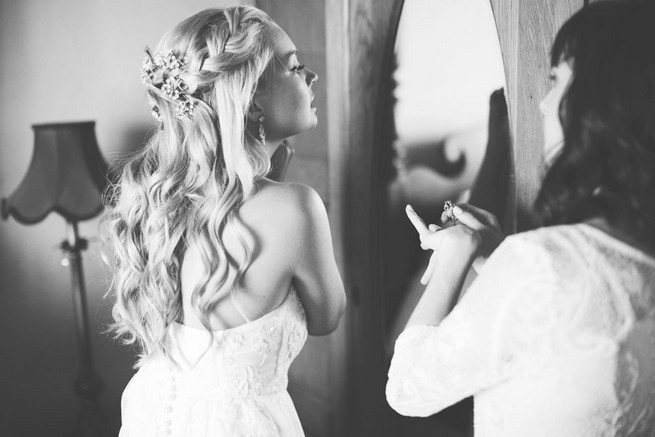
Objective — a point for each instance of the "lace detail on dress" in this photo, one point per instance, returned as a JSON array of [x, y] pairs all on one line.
[[233, 384], [555, 337], [634, 383]]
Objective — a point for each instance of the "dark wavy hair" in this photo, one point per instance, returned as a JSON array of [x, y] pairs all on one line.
[[606, 167]]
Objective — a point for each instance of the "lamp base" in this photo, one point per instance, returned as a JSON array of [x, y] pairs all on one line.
[[87, 384], [91, 422]]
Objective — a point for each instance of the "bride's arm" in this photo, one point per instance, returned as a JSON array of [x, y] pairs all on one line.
[[315, 273]]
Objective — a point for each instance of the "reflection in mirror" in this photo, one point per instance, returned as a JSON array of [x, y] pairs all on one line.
[[448, 65]]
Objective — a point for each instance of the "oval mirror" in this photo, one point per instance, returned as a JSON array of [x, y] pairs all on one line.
[[451, 142]]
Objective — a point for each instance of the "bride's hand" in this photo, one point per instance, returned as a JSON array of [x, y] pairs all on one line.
[[457, 244]]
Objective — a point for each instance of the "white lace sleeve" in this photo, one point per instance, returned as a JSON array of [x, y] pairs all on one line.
[[475, 346]]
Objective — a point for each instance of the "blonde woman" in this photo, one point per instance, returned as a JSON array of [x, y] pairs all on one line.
[[220, 273]]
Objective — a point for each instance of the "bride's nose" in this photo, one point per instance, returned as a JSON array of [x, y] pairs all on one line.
[[311, 76]]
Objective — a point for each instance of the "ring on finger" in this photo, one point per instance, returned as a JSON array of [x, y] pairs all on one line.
[[448, 207]]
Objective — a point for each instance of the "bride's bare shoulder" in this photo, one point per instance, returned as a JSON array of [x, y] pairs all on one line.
[[288, 202]]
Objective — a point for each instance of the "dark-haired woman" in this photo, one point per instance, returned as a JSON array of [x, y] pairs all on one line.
[[556, 336]]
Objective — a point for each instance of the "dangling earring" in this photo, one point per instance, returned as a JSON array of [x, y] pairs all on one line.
[[262, 134]]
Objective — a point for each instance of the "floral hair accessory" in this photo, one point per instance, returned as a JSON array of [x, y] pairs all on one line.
[[174, 87], [162, 72], [185, 108], [155, 113]]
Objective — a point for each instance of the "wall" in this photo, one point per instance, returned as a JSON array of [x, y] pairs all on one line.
[[65, 60], [310, 157]]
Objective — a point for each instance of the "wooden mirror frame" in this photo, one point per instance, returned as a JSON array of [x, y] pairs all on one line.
[[359, 47]]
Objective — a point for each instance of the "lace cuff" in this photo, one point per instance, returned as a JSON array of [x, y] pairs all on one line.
[[404, 389]]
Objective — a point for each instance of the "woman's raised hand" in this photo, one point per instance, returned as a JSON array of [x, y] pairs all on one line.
[[482, 221], [457, 243]]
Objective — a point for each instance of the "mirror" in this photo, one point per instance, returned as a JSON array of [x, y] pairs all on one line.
[[448, 73]]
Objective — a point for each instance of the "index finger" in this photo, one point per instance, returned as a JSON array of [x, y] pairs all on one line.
[[418, 223]]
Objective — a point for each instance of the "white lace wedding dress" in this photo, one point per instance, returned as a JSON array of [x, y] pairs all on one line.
[[235, 387], [556, 337]]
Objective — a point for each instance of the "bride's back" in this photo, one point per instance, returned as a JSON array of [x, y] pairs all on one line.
[[278, 216]]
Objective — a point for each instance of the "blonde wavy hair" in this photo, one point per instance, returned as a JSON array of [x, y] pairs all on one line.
[[188, 182]]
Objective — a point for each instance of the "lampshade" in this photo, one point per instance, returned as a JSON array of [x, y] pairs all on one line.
[[67, 174]]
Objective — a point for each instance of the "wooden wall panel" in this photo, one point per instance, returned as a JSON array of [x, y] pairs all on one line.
[[527, 29]]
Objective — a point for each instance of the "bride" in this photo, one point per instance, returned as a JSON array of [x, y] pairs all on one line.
[[219, 272]]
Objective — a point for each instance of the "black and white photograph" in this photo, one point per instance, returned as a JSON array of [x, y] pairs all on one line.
[[327, 218]]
